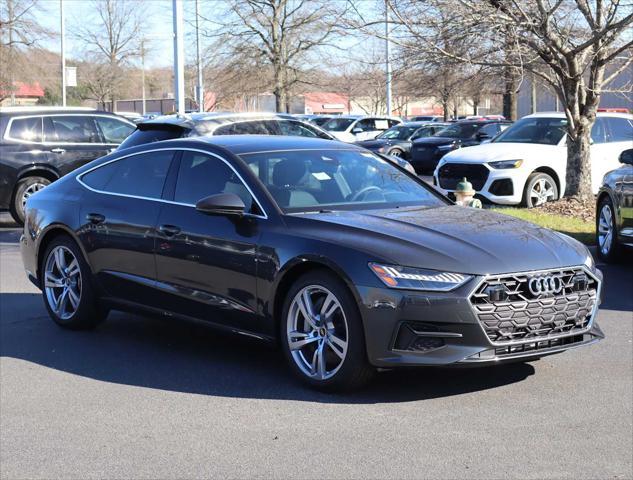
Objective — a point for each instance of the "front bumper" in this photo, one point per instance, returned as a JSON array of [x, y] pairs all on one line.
[[447, 330]]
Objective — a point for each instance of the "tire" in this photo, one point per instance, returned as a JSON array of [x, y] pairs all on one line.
[[24, 189], [535, 183], [607, 231], [84, 312], [396, 152], [337, 372]]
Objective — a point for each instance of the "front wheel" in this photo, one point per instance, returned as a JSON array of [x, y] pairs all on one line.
[[23, 190], [67, 287], [396, 152], [607, 231], [322, 334], [540, 188]]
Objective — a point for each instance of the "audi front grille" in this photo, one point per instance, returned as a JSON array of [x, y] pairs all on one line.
[[530, 306], [450, 174]]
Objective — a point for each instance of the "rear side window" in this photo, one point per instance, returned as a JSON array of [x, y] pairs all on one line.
[[257, 127], [26, 129], [140, 175], [598, 131], [295, 129], [141, 137], [113, 130], [71, 129], [620, 129]]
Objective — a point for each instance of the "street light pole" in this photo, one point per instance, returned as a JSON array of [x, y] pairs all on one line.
[[63, 52], [387, 59], [143, 75], [179, 57], [200, 89]]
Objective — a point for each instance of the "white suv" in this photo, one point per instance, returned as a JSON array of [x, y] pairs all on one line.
[[354, 128], [527, 162]]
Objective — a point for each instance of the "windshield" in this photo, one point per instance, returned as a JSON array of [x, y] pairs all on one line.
[[338, 124], [398, 133], [546, 131], [459, 130], [330, 179]]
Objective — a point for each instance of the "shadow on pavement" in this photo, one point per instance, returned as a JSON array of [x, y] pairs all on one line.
[[617, 289], [188, 357]]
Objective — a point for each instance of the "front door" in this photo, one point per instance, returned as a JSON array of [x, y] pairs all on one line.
[[206, 264]]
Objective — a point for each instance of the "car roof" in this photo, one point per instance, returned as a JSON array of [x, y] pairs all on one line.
[[421, 123], [562, 115], [15, 111], [243, 144]]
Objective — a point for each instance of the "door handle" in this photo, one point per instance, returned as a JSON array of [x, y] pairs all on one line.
[[95, 218], [169, 230], [58, 150]]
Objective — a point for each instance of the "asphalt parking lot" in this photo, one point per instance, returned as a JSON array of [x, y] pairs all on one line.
[[141, 397]]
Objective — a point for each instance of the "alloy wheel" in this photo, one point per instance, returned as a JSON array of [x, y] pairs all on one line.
[[62, 282], [396, 153], [542, 192], [605, 229], [317, 332], [30, 190]]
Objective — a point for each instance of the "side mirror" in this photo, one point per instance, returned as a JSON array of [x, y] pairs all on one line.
[[221, 204], [357, 130], [627, 156]]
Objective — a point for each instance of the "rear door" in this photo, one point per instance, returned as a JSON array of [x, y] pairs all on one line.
[[73, 140], [118, 215]]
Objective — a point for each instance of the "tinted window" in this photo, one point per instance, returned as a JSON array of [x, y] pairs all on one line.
[[27, 129], [258, 127], [71, 129], [366, 124], [141, 137], [113, 130], [400, 133], [295, 129], [599, 131], [201, 175], [620, 129], [459, 130], [304, 180], [490, 130], [543, 130], [338, 124], [140, 175]]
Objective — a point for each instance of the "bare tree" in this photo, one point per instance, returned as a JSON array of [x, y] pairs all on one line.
[[569, 44], [111, 39], [280, 32]]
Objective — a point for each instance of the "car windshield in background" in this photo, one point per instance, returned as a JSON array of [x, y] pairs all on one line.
[[330, 179], [338, 124], [398, 133], [463, 130], [546, 131]]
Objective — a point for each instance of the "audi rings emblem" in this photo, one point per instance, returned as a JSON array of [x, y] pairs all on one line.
[[548, 285]]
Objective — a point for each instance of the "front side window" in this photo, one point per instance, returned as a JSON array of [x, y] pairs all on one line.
[[599, 131], [463, 130], [338, 124], [26, 129], [201, 175], [71, 129], [140, 175], [295, 129], [346, 179], [620, 129], [545, 131], [113, 130]]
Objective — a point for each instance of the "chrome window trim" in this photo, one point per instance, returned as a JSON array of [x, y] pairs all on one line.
[[42, 115], [174, 149], [485, 278]]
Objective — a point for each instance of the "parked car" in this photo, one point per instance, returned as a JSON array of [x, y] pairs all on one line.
[[168, 127], [397, 140], [426, 118], [526, 164], [427, 152], [347, 262], [354, 128], [320, 120], [39, 145], [134, 117], [614, 215]]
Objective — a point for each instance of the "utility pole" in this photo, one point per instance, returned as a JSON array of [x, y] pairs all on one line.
[[143, 76], [179, 57], [533, 94], [11, 51], [63, 52], [387, 59], [200, 89]]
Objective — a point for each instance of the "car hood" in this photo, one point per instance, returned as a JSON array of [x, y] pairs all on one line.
[[435, 141], [450, 238], [376, 143], [490, 152]]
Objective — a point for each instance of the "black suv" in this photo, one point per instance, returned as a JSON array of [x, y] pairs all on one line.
[[39, 145], [614, 216], [398, 139], [426, 152], [169, 127]]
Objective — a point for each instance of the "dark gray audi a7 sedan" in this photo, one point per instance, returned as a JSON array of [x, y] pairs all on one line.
[[346, 261]]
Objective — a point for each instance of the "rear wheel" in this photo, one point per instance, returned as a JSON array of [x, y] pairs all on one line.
[[67, 287], [322, 334], [23, 190], [540, 188], [607, 231], [395, 152]]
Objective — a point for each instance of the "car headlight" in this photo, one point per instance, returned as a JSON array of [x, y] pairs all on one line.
[[506, 164], [395, 276], [590, 262]]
